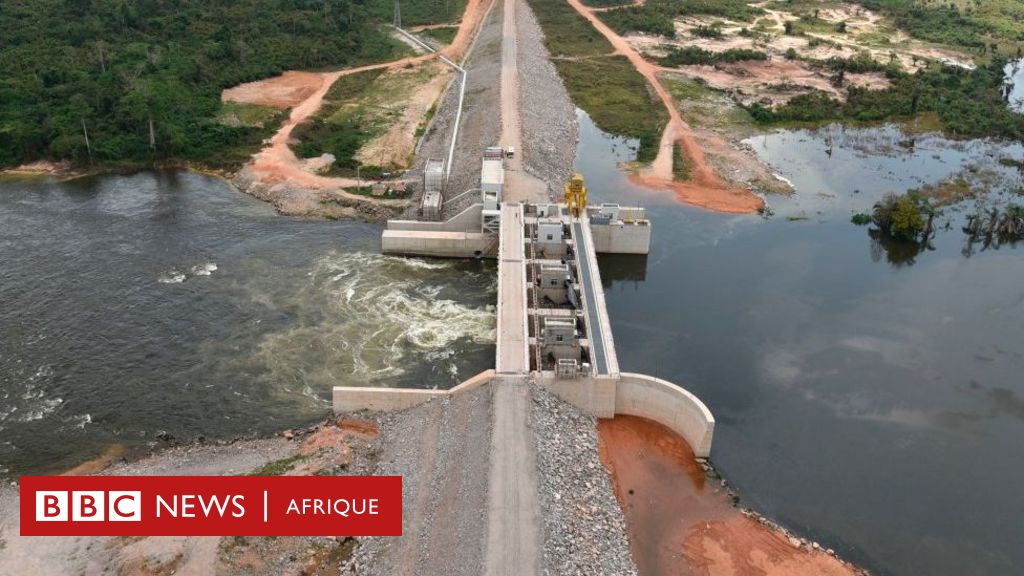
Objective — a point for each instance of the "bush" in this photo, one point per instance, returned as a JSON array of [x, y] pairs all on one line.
[[861, 219], [903, 216], [692, 55]]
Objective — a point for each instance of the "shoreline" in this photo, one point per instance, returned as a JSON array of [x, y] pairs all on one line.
[[682, 518]]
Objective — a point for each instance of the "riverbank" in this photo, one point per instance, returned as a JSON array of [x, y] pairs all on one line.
[[683, 520]]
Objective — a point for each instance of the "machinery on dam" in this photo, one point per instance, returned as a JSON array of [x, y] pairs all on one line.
[[553, 327], [473, 232]]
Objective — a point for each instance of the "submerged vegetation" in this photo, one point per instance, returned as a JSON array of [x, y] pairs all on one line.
[[993, 227], [908, 217], [105, 82]]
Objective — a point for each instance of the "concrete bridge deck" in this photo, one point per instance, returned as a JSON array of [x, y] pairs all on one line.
[[512, 356]]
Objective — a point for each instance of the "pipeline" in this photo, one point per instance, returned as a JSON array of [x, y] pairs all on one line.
[[462, 96]]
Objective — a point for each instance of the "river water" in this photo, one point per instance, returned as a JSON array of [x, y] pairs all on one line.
[[867, 395], [168, 303]]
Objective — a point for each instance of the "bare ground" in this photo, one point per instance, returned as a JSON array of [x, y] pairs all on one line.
[[278, 176], [704, 188]]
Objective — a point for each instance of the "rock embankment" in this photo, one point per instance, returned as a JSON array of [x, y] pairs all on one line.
[[584, 528], [546, 113]]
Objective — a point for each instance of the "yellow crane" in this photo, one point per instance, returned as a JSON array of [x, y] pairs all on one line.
[[576, 194]]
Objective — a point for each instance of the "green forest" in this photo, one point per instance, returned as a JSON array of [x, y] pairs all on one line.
[[138, 82]]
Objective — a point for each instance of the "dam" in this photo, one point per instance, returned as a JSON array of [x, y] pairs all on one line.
[[553, 331]]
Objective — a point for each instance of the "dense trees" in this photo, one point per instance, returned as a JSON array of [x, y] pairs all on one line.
[[137, 81]]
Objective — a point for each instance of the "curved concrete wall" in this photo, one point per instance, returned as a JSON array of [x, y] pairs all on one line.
[[663, 402]]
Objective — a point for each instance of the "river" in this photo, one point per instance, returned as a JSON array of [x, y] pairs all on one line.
[[868, 395], [135, 308]]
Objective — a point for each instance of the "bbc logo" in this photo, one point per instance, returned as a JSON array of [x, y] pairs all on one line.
[[89, 506]]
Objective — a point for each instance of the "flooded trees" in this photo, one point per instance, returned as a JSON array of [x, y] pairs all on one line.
[[904, 227], [993, 227], [906, 217]]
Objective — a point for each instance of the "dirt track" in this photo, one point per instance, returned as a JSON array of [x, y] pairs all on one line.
[[704, 188], [276, 173]]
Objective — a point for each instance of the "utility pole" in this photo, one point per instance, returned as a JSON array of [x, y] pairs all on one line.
[[398, 14]]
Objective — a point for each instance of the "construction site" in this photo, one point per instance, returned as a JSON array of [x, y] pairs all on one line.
[[518, 470]]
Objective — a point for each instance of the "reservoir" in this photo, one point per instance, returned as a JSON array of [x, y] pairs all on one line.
[[866, 395]]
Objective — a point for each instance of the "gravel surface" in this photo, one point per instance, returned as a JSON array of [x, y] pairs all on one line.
[[442, 449], [584, 529], [546, 114], [481, 114]]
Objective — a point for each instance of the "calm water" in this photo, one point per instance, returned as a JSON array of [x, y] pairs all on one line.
[[870, 397], [131, 306], [1013, 89]]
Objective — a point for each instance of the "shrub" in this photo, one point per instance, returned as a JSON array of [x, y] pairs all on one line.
[[861, 219]]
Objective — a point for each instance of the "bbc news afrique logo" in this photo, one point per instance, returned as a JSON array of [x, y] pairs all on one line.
[[89, 506]]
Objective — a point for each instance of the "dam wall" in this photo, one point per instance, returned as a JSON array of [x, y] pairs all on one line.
[[602, 397], [354, 399], [438, 244], [668, 404], [621, 237]]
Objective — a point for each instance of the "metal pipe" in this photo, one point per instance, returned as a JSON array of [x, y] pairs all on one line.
[[462, 97]]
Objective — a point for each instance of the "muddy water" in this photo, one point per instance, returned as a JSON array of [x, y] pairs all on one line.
[[867, 396], [683, 523], [169, 303]]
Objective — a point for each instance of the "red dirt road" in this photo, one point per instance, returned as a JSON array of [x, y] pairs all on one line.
[[704, 188], [305, 91], [682, 524]]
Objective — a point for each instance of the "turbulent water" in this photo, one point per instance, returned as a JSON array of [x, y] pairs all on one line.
[[866, 394], [132, 307]]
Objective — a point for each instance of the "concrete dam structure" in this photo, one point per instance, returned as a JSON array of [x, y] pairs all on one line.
[[553, 331]]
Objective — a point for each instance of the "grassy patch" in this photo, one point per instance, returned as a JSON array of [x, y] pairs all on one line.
[[249, 115], [278, 467], [566, 33], [442, 35], [606, 3], [680, 169], [656, 16], [340, 128], [618, 99], [706, 107], [358, 108], [643, 19]]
